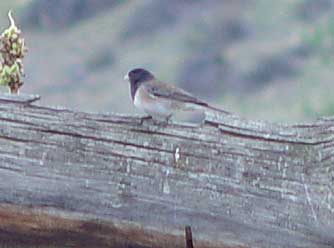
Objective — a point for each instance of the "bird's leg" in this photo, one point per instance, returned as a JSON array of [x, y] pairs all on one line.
[[168, 119]]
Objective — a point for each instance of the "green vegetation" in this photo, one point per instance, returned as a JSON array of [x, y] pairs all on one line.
[[12, 51]]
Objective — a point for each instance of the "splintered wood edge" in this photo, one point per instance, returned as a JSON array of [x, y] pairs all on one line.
[[298, 133], [21, 98]]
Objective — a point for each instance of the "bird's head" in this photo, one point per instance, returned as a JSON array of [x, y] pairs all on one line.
[[138, 76]]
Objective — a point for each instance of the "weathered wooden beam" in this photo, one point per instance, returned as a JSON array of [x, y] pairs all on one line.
[[77, 178]]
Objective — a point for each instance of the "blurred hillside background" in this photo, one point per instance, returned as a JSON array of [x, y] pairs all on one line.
[[262, 59]]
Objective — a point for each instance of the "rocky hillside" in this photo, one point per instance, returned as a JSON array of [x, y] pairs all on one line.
[[261, 59]]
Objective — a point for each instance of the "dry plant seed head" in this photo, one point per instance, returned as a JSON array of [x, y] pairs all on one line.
[[12, 52]]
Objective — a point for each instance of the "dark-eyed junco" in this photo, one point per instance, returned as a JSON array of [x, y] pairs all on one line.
[[158, 99]]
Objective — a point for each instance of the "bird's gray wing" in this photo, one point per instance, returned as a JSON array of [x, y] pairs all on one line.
[[169, 91]]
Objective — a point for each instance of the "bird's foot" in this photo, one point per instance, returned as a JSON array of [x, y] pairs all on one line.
[[145, 118], [162, 122], [156, 121]]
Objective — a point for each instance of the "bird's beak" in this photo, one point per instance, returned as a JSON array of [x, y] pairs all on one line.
[[126, 77]]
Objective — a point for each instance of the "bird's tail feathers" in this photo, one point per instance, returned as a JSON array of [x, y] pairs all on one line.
[[204, 106]]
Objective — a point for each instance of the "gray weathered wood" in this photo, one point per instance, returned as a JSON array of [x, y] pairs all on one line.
[[70, 177]]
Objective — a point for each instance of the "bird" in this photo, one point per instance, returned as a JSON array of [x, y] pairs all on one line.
[[160, 100]]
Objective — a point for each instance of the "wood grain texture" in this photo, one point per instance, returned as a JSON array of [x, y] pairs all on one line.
[[77, 179]]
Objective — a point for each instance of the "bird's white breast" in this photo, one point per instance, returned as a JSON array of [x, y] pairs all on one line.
[[153, 106]]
